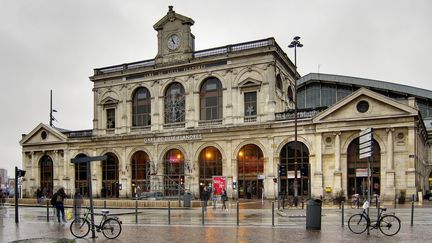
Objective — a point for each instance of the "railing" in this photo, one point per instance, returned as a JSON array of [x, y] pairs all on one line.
[[210, 123], [174, 125], [250, 119], [79, 134], [198, 54]]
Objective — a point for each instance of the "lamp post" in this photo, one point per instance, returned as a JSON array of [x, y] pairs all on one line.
[[295, 43]]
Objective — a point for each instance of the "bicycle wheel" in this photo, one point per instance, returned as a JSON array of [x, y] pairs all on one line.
[[358, 223], [80, 227], [389, 225], [354, 204], [111, 228]]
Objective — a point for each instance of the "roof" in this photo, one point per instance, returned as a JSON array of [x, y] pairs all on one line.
[[400, 88]]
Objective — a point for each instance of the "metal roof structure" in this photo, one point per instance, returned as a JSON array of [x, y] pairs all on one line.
[[399, 88]]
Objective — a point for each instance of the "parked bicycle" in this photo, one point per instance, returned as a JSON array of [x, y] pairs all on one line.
[[388, 224], [109, 225], [291, 202]]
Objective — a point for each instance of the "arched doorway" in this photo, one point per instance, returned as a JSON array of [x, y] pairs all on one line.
[[110, 175], [250, 161], [210, 164], [357, 170], [174, 173], [140, 173], [81, 183], [290, 183], [46, 175]]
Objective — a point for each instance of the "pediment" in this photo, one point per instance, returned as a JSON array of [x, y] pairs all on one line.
[[43, 134], [249, 82], [109, 101], [365, 104], [172, 16]]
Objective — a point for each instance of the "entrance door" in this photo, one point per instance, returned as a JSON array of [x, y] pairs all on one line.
[[250, 165], [250, 189]]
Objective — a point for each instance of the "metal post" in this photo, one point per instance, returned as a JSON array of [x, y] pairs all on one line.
[[90, 193], [169, 212], [395, 201], [16, 195], [273, 213], [136, 211], [202, 212], [105, 203], [343, 212], [47, 202], [412, 211], [238, 213]]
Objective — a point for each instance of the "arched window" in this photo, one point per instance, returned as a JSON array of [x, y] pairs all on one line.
[[357, 169], [250, 165], [289, 183], [175, 103], [210, 164], [174, 172], [141, 111], [290, 94], [140, 171], [211, 99], [46, 175], [110, 175], [81, 184], [279, 82]]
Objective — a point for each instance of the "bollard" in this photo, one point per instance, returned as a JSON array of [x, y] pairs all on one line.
[[412, 211], [376, 200], [238, 213], [47, 201], [395, 201], [343, 212], [202, 212], [136, 211], [169, 212], [273, 213]]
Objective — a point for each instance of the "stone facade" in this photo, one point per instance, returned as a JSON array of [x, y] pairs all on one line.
[[259, 67]]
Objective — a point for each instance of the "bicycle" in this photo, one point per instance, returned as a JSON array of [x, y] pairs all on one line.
[[388, 224], [355, 201], [109, 225], [291, 202]]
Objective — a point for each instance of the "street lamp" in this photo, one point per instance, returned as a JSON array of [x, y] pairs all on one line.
[[294, 44]]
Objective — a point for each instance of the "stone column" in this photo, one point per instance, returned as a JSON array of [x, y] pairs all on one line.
[[410, 167], [337, 156], [388, 190], [316, 171]]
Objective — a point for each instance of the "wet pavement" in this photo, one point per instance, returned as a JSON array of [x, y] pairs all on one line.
[[186, 225]]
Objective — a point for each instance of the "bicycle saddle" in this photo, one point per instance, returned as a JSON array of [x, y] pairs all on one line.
[[105, 211]]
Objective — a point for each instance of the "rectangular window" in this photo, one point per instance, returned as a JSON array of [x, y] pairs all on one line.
[[328, 94], [110, 118], [250, 104]]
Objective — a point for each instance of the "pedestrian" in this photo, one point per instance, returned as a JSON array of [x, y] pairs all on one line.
[[77, 203], [214, 198], [224, 198], [205, 195], [58, 201], [39, 195], [249, 191], [2, 197]]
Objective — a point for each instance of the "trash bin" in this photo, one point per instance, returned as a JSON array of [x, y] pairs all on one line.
[[187, 199], [313, 214]]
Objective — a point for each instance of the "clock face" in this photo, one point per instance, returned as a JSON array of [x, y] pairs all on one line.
[[173, 42]]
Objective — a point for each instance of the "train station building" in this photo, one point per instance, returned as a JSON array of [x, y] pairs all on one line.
[[172, 123]]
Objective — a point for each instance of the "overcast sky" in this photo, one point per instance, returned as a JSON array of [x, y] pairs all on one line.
[[55, 44]]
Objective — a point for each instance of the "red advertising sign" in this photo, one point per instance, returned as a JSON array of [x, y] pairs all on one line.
[[219, 184]]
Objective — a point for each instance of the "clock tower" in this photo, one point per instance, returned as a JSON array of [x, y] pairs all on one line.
[[175, 40]]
